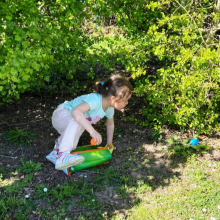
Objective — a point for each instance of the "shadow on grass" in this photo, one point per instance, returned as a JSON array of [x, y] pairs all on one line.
[[100, 192], [138, 168]]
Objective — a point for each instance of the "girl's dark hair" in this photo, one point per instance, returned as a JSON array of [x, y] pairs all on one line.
[[116, 85]]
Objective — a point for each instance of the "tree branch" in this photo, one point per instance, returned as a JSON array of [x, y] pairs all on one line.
[[192, 20]]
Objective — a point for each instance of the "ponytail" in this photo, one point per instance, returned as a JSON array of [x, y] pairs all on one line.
[[116, 85]]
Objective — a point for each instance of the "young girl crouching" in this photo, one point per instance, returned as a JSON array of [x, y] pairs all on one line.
[[72, 118]]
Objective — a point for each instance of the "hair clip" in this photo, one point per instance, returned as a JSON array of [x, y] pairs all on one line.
[[102, 83]]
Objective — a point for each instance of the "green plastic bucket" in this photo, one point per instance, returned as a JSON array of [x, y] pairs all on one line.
[[93, 155]]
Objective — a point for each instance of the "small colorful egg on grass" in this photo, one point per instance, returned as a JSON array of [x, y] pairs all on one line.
[[194, 141]]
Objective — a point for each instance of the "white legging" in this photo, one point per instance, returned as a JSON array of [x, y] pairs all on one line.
[[69, 130]]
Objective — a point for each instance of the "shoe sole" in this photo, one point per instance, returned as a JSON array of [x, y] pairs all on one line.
[[70, 164]]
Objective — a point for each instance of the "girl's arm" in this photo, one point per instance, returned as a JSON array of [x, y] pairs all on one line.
[[78, 115], [110, 130]]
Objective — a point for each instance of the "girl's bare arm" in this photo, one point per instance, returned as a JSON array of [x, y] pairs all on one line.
[[110, 130], [78, 115]]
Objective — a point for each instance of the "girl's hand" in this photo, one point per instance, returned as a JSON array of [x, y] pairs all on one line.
[[97, 137]]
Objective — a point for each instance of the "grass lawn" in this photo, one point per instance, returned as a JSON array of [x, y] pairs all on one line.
[[193, 194], [144, 180]]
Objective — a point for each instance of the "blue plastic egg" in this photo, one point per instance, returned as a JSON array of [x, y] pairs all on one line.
[[194, 141]]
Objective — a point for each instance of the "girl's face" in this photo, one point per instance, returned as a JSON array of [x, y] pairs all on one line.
[[121, 103]]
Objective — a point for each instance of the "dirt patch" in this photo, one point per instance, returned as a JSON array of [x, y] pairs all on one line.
[[138, 157]]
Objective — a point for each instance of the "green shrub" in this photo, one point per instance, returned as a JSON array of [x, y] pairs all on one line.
[[172, 51], [39, 38]]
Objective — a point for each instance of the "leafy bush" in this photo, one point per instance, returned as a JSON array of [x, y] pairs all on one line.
[[172, 50], [170, 47], [39, 38]]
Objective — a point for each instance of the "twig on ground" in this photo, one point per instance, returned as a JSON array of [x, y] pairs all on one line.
[[202, 161], [5, 156], [109, 203], [42, 146], [16, 150], [12, 154], [104, 200], [4, 122], [103, 174], [83, 210], [90, 171]]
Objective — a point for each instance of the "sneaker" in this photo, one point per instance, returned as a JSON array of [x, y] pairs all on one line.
[[65, 160], [56, 146], [52, 156]]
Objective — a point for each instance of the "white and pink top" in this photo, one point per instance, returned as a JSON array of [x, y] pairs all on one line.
[[96, 111]]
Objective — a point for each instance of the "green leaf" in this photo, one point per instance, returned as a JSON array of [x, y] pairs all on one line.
[[14, 79], [47, 78], [17, 38], [186, 140], [25, 77], [3, 93], [8, 17], [170, 141], [177, 148], [175, 137]]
